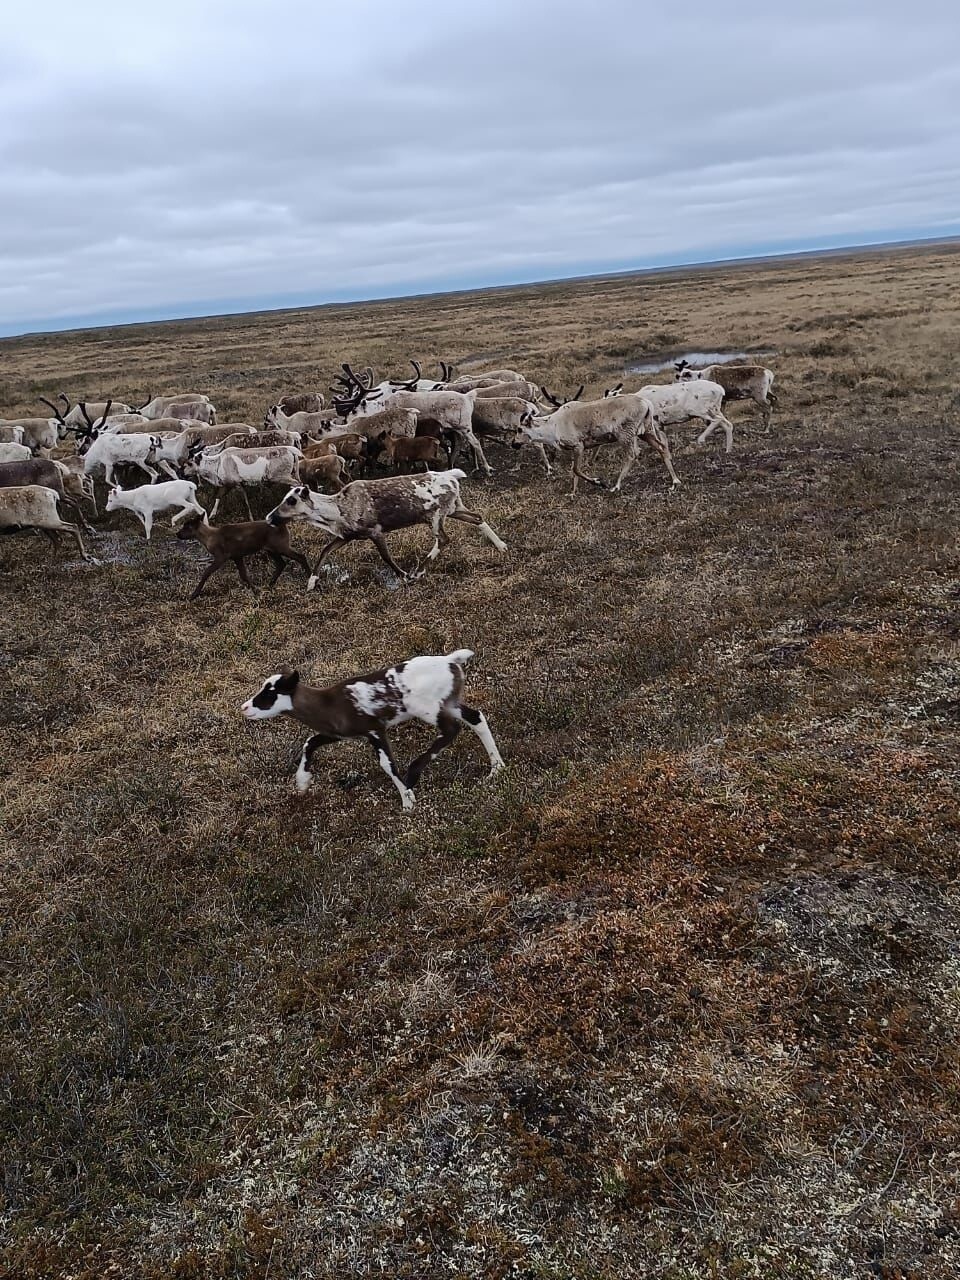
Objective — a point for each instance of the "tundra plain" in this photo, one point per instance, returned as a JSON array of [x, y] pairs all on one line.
[[676, 996]]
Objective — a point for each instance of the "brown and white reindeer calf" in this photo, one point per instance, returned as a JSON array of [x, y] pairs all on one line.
[[328, 468], [428, 689], [371, 508]]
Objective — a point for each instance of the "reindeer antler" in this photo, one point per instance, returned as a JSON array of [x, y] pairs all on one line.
[[56, 412]]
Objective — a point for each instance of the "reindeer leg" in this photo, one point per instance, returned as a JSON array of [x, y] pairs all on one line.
[[304, 772], [389, 766], [578, 473], [629, 458], [476, 722], [279, 564], [657, 441], [379, 542], [74, 533], [478, 453], [440, 537], [331, 546], [728, 432], [244, 576], [74, 506], [449, 726], [471, 517], [211, 568], [767, 408], [297, 558]]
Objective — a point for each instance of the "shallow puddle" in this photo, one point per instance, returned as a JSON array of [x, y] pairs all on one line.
[[696, 358]]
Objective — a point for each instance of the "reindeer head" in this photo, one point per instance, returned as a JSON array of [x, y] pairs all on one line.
[[273, 698]]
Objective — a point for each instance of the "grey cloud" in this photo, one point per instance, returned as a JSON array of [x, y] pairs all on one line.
[[245, 151]]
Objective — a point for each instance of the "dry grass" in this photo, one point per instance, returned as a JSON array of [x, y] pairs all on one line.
[[676, 996]]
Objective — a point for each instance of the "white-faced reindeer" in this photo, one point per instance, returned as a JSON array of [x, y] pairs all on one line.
[[674, 403], [428, 689], [148, 501], [575, 427], [302, 421], [739, 382], [369, 509]]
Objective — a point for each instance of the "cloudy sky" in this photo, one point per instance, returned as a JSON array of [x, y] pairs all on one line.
[[211, 155]]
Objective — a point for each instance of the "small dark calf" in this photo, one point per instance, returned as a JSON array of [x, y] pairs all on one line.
[[329, 469], [237, 541], [428, 689], [401, 449], [348, 444]]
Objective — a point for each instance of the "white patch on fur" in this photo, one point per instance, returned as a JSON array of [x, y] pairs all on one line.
[[367, 698], [436, 484], [406, 795], [304, 777], [424, 684], [482, 730], [253, 470], [490, 536]]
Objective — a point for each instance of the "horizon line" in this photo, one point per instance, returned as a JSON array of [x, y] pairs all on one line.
[[70, 325]]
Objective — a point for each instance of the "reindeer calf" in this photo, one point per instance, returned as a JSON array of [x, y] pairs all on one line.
[[427, 689], [237, 541]]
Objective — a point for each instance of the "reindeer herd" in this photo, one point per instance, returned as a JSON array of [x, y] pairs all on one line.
[[324, 457]]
